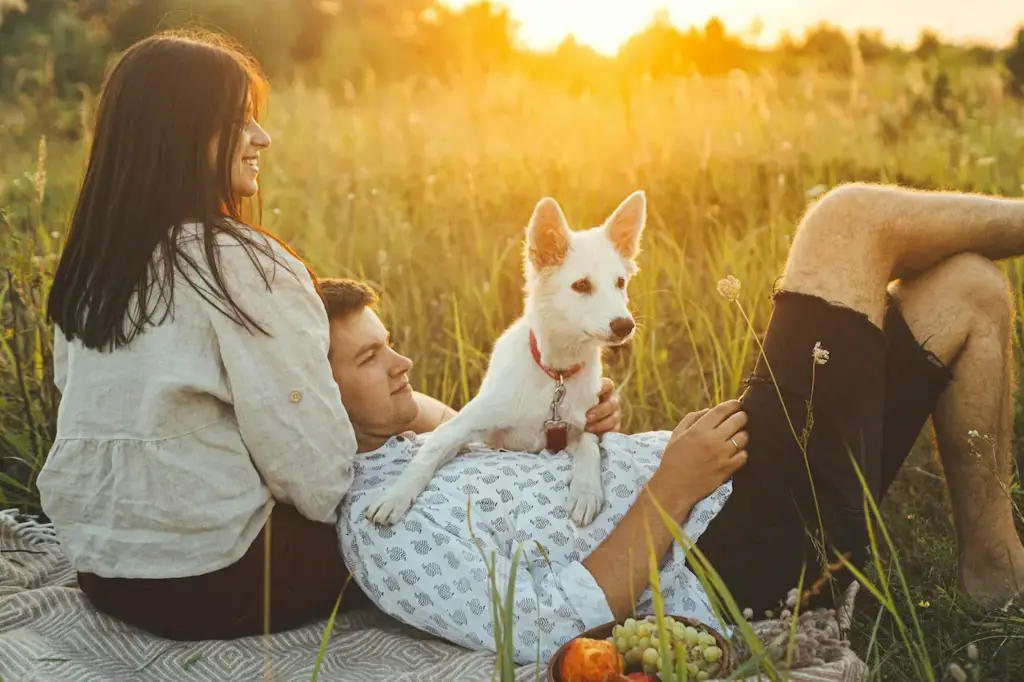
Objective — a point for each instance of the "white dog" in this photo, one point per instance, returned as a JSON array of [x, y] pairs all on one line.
[[545, 370]]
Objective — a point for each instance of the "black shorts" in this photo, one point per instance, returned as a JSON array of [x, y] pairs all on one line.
[[871, 399]]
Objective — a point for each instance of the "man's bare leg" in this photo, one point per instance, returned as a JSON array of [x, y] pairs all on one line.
[[847, 250], [858, 238], [962, 309]]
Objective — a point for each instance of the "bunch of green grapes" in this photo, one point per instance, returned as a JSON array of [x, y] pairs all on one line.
[[638, 643]]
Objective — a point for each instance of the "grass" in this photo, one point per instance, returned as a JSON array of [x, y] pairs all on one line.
[[424, 190]]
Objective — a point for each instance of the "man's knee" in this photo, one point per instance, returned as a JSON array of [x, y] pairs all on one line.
[[981, 287], [839, 253], [846, 211], [843, 231]]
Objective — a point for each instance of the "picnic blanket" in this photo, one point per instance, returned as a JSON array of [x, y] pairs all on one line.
[[49, 633]]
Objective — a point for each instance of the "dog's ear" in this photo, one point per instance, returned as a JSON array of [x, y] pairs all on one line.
[[626, 223], [547, 236]]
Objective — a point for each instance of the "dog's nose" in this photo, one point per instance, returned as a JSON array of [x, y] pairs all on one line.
[[622, 326]]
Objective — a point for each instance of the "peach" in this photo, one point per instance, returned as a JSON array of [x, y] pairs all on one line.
[[590, 660]]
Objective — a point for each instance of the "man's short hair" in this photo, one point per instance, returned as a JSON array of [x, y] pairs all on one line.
[[344, 296]]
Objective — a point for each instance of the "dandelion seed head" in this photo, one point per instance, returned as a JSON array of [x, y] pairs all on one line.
[[729, 288]]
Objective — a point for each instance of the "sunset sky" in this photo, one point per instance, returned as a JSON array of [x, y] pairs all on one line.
[[604, 24]]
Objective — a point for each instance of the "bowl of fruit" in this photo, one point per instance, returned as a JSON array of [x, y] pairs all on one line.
[[631, 652]]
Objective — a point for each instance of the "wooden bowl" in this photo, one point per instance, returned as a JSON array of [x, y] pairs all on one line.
[[605, 631]]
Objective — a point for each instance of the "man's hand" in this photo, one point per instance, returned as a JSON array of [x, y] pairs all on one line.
[[606, 416], [707, 448]]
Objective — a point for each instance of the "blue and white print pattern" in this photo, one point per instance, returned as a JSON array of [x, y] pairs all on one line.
[[427, 571]]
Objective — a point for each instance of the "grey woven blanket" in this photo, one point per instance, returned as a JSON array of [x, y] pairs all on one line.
[[49, 633]]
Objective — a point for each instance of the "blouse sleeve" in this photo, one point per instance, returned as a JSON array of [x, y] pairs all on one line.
[[287, 403]]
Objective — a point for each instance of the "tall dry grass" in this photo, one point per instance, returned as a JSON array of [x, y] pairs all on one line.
[[424, 190]]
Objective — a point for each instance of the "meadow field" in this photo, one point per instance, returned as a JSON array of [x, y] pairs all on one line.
[[424, 190]]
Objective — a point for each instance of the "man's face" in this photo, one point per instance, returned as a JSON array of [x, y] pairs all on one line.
[[373, 378]]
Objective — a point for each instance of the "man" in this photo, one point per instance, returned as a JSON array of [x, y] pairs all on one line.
[[761, 522]]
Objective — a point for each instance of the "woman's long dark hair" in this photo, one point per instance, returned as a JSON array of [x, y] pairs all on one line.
[[148, 174]]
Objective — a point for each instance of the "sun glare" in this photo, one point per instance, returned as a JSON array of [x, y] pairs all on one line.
[[606, 24]]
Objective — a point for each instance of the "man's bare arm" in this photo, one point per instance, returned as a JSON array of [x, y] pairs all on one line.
[[432, 414], [621, 579], [698, 458], [605, 416]]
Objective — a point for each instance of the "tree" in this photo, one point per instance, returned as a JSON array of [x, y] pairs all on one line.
[[928, 45], [829, 46], [872, 45], [1015, 65]]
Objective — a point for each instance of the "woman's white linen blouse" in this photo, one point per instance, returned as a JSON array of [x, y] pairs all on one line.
[[171, 451]]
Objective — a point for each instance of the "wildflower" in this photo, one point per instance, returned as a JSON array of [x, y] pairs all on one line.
[[973, 433], [748, 613], [924, 603], [819, 353], [910, 516], [54, 235], [957, 673], [972, 651], [729, 288]]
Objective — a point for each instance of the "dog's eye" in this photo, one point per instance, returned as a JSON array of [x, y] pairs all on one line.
[[582, 286], [620, 283]]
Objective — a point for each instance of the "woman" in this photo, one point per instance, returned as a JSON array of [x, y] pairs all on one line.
[[200, 437], [202, 447]]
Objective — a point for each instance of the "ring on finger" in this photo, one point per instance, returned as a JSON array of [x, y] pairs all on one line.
[[736, 445]]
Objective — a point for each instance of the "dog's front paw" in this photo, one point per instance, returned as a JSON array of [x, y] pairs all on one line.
[[583, 504], [389, 508]]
